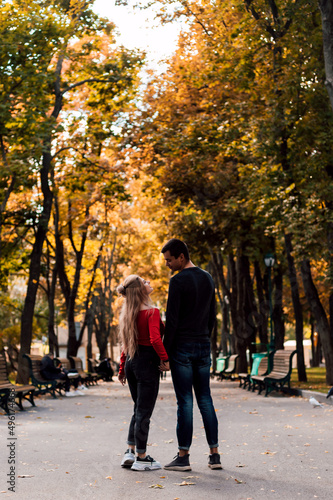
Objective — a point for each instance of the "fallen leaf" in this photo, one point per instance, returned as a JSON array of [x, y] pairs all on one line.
[[162, 477], [184, 483], [156, 486], [190, 477], [241, 465], [88, 416], [238, 481], [108, 477], [25, 475], [299, 415], [169, 441]]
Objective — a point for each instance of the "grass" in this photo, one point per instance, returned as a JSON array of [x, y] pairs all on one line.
[[316, 380]]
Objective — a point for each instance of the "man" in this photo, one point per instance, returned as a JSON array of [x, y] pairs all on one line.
[[190, 319], [51, 372]]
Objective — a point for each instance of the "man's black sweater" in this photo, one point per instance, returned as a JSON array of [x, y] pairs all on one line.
[[190, 312]]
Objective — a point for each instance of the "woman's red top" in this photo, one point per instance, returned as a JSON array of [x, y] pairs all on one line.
[[150, 330]]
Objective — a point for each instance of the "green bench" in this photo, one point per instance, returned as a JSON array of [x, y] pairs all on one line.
[[221, 364], [42, 385], [260, 366], [279, 377], [230, 371]]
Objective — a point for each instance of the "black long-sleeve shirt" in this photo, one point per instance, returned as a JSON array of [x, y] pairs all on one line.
[[190, 315], [48, 369]]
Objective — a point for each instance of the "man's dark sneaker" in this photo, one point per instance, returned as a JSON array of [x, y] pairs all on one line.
[[147, 463], [128, 458], [214, 461], [179, 463]]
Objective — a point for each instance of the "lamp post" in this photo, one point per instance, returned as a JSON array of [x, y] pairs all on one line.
[[269, 262], [226, 300]]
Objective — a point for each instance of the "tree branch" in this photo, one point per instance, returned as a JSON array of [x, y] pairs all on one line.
[[88, 80]]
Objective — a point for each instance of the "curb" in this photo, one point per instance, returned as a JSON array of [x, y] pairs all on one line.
[[319, 396]]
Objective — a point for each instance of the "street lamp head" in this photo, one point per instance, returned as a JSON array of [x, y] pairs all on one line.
[[269, 260]]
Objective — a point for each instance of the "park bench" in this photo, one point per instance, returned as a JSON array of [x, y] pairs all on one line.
[[229, 372], [246, 380], [280, 374], [87, 378], [71, 373], [92, 368], [42, 385], [221, 364], [6, 389]]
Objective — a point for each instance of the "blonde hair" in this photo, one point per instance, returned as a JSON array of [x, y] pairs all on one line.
[[134, 292]]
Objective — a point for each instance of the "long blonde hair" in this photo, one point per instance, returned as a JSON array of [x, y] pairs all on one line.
[[134, 292]]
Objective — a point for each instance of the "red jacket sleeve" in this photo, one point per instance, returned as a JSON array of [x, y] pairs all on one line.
[[154, 325], [122, 363]]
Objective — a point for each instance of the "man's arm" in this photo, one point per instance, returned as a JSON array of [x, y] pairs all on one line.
[[212, 315], [172, 315]]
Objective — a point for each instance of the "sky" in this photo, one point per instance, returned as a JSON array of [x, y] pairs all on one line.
[[138, 29]]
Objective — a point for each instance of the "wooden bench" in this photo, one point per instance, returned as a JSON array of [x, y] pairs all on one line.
[[42, 385], [280, 374], [229, 372], [13, 392], [92, 369], [71, 373], [246, 380], [88, 379], [221, 364]]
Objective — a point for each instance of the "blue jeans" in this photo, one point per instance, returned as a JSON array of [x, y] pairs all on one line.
[[143, 377], [190, 369]]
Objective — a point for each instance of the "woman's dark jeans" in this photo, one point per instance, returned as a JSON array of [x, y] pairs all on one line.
[[190, 368], [143, 377]]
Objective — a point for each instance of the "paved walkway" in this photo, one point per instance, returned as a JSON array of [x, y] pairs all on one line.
[[272, 448]]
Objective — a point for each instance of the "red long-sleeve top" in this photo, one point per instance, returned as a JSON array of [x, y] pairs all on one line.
[[150, 328]]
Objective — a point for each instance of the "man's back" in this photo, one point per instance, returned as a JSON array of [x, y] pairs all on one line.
[[191, 307]]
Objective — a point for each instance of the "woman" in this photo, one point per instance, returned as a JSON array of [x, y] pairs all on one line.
[[142, 353]]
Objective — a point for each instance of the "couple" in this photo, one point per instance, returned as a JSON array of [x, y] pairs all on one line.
[[185, 349]]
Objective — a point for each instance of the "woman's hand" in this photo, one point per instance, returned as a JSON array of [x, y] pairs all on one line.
[[164, 366], [122, 378]]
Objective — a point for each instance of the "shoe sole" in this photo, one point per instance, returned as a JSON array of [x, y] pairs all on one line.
[[215, 466], [177, 467], [127, 464], [145, 467]]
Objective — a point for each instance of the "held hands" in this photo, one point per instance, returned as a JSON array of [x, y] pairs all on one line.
[[164, 366], [122, 378]]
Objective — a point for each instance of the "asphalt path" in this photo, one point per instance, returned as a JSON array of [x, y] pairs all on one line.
[[279, 447]]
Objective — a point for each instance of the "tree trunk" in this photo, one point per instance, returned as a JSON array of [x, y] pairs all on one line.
[[34, 271], [320, 317], [53, 341], [278, 317], [298, 312], [262, 317], [217, 265], [326, 9]]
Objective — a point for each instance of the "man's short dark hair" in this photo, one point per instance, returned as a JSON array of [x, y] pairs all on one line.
[[176, 247]]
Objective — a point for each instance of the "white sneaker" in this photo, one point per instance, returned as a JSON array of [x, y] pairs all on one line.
[[128, 458], [78, 393], [83, 388], [69, 394], [147, 463]]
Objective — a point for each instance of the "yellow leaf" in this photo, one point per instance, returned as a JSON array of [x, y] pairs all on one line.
[[184, 483]]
